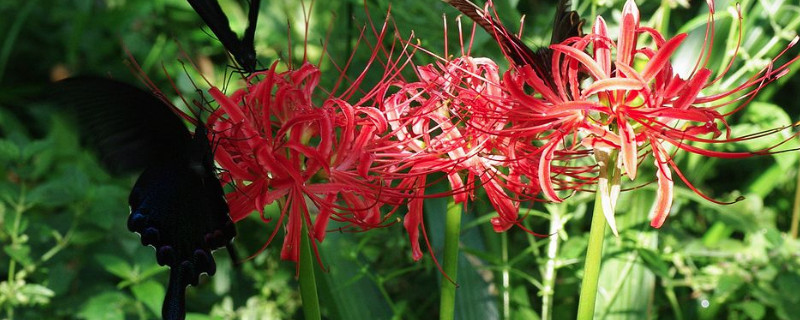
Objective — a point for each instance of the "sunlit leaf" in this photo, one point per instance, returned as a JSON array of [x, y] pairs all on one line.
[[150, 293]]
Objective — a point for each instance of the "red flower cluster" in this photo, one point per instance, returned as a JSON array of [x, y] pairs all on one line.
[[514, 135], [633, 103], [320, 161], [434, 121]]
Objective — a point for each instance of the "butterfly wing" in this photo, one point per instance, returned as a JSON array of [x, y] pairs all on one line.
[[177, 204], [249, 36], [242, 50], [566, 24], [178, 207], [129, 128], [512, 46]]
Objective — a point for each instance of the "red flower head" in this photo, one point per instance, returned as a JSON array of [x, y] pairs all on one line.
[[632, 103], [436, 124], [279, 142]]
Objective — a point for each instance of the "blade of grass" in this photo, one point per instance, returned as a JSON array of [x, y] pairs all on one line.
[[13, 32]]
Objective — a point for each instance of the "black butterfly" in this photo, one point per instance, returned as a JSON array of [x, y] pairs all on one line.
[[566, 24], [177, 204], [242, 50]]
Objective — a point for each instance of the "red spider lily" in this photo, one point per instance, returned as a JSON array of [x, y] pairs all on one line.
[[274, 141], [430, 116], [633, 99], [278, 143], [434, 121]]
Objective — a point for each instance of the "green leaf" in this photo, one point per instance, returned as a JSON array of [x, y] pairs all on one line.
[[87, 236], [3, 210], [574, 247], [8, 228], [197, 316], [727, 286], [223, 279], [34, 148], [109, 203], [789, 281], [519, 296], [153, 270], [654, 262], [68, 188], [525, 313], [151, 293], [115, 265], [106, 306], [9, 151], [788, 308], [9, 122], [42, 157], [351, 293], [762, 116], [477, 302], [36, 294], [774, 238], [752, 309], [631, 262], [60, 277], [20, 253]]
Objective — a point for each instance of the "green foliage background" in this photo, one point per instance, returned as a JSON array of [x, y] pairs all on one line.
[[67, 254]]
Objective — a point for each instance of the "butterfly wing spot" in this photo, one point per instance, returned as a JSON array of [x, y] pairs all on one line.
[[182, 215], [165, 256], [204, 262], [137, 220], [151, 236]]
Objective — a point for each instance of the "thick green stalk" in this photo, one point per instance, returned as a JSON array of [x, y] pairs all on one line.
[[594, 252], [308, 284], [452, 231], [594, 255]]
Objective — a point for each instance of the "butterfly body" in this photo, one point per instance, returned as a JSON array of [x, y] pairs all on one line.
[[177, 203]]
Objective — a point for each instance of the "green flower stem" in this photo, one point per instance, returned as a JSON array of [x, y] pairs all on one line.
[[308, 284], [663, 21], [549, 276], [796, 208], [20, 206], [594, 255], [673, 300], [452, 231], [506, 287]]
